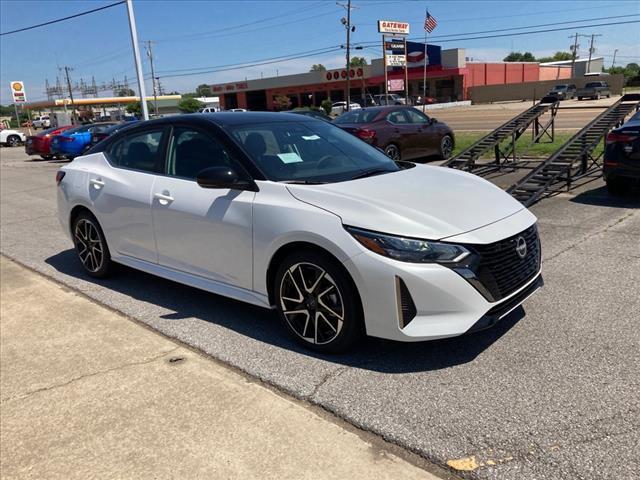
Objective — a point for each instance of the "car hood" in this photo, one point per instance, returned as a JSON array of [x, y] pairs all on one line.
[[424, 202]]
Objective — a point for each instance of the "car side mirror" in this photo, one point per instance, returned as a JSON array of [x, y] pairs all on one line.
[[224, 177], [432, 120]]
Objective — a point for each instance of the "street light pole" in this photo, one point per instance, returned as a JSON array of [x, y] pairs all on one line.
[[136, 55], [348, 55], [73, 108]]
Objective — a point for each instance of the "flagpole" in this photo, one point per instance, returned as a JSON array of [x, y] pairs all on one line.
[[424, 73]]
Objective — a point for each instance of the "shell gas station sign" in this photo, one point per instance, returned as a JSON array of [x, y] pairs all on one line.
[[18, 93]]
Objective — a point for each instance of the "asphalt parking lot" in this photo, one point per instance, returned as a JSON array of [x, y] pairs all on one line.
[[552, 392]]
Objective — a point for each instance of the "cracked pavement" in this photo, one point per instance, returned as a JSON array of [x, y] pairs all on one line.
[[551, 392]]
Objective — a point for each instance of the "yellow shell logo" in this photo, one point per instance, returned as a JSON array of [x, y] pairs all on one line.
[[17, 86]]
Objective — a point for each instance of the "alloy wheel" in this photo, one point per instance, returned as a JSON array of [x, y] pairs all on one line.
[[392, 152], [88, 245], [311, 303], [13, 141], [446, 146]]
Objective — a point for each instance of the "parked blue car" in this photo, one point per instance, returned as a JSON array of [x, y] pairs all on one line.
[[76, 140]]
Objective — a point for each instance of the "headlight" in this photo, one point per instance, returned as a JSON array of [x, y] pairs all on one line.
[[409, 249]]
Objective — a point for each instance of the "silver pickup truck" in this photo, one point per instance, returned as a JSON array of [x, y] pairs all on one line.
[[594, 91]]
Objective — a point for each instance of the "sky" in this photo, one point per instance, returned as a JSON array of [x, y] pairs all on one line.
[[208, 35]]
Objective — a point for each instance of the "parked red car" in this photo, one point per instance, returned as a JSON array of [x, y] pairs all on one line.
[[40, 144], [403, 132]]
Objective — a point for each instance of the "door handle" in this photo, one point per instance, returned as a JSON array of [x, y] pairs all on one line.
[[164, 198], [97, 183]]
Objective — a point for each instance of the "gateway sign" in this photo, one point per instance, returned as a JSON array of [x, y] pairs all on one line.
[[390, 26]]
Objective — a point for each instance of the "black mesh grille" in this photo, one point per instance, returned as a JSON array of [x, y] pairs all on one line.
[[501, 270], [407, 307]]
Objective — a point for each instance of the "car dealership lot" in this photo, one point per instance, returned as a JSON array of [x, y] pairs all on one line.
[[551, 392]]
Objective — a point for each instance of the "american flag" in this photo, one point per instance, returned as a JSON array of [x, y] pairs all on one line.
[[430, 23]]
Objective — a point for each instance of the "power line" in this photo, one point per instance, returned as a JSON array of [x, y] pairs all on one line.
[[437, 37], [62, 19]]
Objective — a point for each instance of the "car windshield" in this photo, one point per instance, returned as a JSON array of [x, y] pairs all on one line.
[[357, 116], [559, 88], [310, 152]]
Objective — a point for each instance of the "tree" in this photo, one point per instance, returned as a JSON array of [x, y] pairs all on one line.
[[281, 102], [203, 90], [125, 92], [519, 57], [318, 67], [631, 73], [326, 106], [189, 105], [357, 62], [557, 57], [135, 108]]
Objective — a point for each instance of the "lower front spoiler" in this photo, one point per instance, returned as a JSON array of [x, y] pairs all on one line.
[[500, 311]]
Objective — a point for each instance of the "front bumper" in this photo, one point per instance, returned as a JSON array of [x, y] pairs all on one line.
[[441, 302]]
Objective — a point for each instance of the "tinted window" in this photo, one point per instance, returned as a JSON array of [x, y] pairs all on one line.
[[138, 151], [309, 151], [397, 117], [416, 117], [357, 116], [191, 151]]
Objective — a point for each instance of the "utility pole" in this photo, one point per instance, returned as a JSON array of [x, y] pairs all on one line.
[[136, 56], [591, 50], [73, 108], [347, 23], [574, 51], [153, 76], [615, 52]]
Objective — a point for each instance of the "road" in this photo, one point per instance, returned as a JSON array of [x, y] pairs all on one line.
[[489, 117], [552, 392]]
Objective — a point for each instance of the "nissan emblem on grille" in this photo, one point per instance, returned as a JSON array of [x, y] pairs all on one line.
[[521, 247]]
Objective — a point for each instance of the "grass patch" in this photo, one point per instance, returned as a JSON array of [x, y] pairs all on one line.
[[465, 139]]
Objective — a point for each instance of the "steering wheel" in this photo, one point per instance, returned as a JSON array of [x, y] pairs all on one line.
[[328, 161]]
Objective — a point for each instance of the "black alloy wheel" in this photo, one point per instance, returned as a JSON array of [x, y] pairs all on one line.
[[91, 246], [317, 302]]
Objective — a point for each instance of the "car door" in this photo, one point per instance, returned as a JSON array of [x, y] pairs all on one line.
[[120, 189], [202, 231], [403, 133], [427, 139]]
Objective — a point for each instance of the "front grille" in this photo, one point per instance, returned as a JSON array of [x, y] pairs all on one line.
[[501, 270]]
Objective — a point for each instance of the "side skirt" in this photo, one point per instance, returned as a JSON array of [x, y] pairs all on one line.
[[196, 281]]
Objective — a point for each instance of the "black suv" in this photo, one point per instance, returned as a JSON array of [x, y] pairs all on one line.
[[622, 156]]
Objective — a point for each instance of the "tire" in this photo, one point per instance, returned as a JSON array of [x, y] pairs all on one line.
[[615, 187], [393, 152], [579, 98], [446, 147], [13, 140], [317, 302], [91, 246], [46, 157]]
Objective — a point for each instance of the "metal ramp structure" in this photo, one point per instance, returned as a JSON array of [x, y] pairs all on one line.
[[503, 139], [575, 159]]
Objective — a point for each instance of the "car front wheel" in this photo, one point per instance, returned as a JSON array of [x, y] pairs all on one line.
[[13, 140], [91, 246], [317, 302], [446, 147]]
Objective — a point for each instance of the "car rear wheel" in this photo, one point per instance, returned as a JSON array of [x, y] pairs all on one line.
[[446, 147], [13, 140], [392, 151], [317, 302], [91, 246], [46, 157]]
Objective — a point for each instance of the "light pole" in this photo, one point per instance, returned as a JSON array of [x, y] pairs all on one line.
[[136, 55], [347, 23]]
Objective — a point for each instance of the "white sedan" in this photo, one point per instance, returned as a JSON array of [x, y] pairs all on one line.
[[288, 212], [338, 108], [12, 138]]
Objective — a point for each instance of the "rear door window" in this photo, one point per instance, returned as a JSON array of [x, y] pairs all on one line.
[[140, 151]]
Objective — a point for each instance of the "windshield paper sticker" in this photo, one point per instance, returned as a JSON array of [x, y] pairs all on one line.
[[291, 157], [310, 137]]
